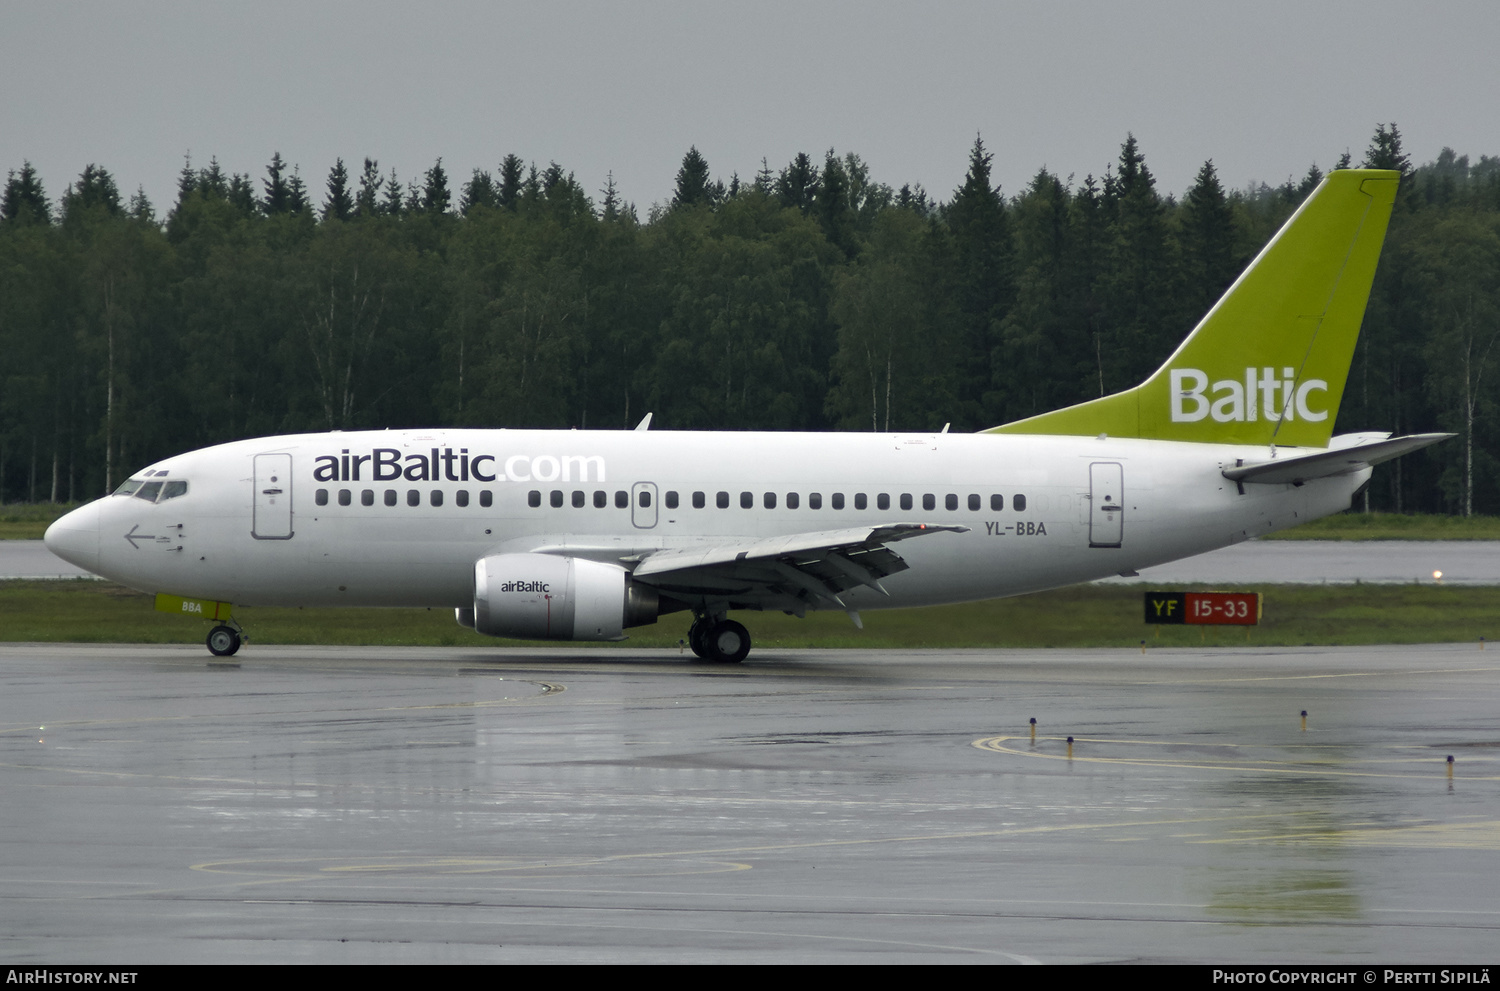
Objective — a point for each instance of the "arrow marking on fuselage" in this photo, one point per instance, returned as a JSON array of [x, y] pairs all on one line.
[[132, 536]]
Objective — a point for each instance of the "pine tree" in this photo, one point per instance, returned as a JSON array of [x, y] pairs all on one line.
[[479, 191], [1310, 181], [511, 170], [692, 180], [25, 201], [339, 205], [797, 185], [94, 190], [611, 211], [982, 284], [1208, 240], [367, 200], [1385, 151], [393, 206], [277, 197], [297, 200], [436, 199], [242, 194]]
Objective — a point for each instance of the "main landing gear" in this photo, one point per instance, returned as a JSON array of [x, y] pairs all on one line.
[[721, 640], [223, 640]]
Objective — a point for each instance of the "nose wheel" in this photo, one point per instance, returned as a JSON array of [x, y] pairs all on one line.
[[223, 641]]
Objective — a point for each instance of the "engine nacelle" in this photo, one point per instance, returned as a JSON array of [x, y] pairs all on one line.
[[549, 597]]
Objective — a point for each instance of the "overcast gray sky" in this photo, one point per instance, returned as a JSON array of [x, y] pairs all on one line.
[[1263, 88]]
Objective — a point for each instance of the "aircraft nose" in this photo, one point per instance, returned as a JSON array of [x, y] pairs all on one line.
[[75, 537]]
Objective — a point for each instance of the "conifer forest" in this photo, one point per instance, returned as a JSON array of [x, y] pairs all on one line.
[[806, 297]]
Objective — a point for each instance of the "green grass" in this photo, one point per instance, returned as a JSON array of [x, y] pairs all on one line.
[[1394, 526], [1082, 616], [29, 520]]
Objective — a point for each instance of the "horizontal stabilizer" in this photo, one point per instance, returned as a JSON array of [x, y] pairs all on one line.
[[1322, 464]]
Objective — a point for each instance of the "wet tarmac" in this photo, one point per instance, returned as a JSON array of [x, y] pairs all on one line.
[[395, 805]]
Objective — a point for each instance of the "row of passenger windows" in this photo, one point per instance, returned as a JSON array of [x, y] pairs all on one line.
[[601, 500], [413, 497], [792, 500]]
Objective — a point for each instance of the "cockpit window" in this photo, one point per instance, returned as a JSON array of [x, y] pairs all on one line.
[[153, 491]]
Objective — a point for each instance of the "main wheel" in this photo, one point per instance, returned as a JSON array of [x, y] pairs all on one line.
[[728, 642], [223, 641], [698, 638]]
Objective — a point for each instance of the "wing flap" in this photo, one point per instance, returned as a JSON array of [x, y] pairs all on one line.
[[792, 572]]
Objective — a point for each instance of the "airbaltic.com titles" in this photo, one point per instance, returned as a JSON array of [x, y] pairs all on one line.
[[387, 464]]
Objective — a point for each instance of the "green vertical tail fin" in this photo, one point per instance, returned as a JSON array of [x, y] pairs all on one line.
[[1268, 364]]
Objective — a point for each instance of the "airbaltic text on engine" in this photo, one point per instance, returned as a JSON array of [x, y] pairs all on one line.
[[1234, 401], [387, 464]]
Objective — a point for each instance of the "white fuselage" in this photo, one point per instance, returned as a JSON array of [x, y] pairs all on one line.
[[399, 518]]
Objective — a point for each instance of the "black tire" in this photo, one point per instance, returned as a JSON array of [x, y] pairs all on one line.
[[728, 642], [223, 641], [698, 638]]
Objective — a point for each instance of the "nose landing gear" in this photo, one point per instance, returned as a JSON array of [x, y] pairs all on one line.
[[224, 640]]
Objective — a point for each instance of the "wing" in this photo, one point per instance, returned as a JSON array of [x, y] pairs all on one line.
[[794, 573]]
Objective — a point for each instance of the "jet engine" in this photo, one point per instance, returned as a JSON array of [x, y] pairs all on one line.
[[550, 597]]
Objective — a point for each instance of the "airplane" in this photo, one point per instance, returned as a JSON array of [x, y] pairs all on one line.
[[583, 534]]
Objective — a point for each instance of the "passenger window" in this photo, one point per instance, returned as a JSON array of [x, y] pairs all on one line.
[[601, 499], [557, 498], [580, 499], [645, 499], [671, 500], [1018, 503], [906, 500], [390, 497], [486, 498], [699, 501], [367, 497], [951, 502], [882, 501], [321, 497], [792, 500], [461, 497], [747, 500], [770, 500], [150, 490], [722, 500], [345, 497], [997, 503], [861, 501], [436, 497], [974, 503], [172, 490], [929, 502], [413, 497], [534, 499], [815, 500], [622, 500]]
